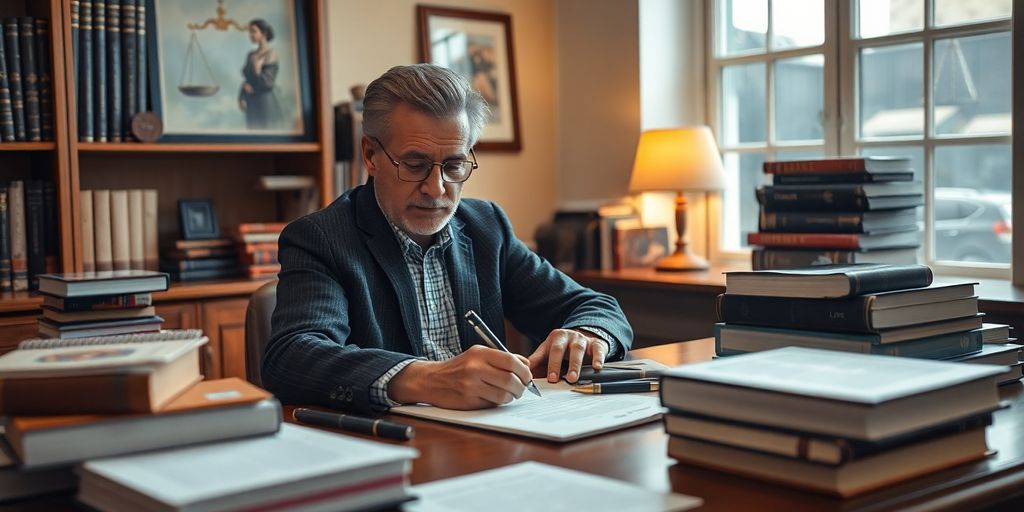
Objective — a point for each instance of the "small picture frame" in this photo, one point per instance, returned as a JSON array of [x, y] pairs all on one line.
[[639, 247], [198, 219]]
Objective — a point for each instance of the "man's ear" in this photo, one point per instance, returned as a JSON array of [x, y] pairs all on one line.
[[369, 151]]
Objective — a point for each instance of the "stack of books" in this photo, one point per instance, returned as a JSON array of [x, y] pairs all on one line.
[[837, 210], [1000, 349], [99, 303], [828, 421], [257, 248], [194, 260]]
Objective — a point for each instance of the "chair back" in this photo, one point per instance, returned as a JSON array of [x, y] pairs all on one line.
[[257, 329]]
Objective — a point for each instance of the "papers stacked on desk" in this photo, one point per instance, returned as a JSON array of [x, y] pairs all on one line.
[[828, 421]]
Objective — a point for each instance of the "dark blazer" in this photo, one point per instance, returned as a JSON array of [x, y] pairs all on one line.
[[346, 307]]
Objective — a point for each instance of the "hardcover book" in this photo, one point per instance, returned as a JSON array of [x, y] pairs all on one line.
[[88, 231], [120, 230], [851, 241], [98, 302], [71, 317], [103, 283], [6, 107], [853, 164], [19, 245], [30, 79], [840, 197], [884, 221], [67, 331], [5, 242], [781, 259], [821, 178], [102, 241], [828, 281], [43, 67], [130, 87], [86, 76], [113, 78], [12, 51], [35, 234], [99, 62]]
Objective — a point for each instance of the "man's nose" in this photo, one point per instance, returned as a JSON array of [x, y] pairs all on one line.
[[434, 185]]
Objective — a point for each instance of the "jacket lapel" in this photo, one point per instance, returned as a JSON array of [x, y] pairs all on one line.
[[462, 275]]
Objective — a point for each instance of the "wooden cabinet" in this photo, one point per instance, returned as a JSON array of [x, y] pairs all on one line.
[[224, 324], [15, 329], [179, 315]]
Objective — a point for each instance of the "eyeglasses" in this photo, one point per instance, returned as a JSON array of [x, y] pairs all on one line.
[[419, 169]]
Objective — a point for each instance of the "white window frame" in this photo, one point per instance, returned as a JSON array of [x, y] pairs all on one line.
[[840, 115]]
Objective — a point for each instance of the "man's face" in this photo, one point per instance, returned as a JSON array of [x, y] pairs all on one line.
[[419, 209]]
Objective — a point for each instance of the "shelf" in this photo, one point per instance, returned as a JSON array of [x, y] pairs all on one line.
[[20, 302], [139, 147], [28, 146], [209, 289]]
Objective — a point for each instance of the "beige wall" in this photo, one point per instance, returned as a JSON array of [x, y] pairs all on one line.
[[367, 37]]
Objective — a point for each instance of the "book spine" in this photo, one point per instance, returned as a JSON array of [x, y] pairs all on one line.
[[129, 89], [34, 236], [51, 228], [259, 258], [14, 81], [136, 236], [93, 394], [140, 52], [823, 198], [201, 264], [150, 235], [845, 165], [99, 36], [850, 315], [805, 240], [114, 98], [19, 249], [943, 346], [5, 242], [198, 275], [201, 252], [123, 301], [44, 67], [75, 27], [6, 108], [88, 232], [85, 73], [879, 279], [119, 230], [261, 227], [101, 228], [814, 222], [771, 259], [30, 79], [839, 178]]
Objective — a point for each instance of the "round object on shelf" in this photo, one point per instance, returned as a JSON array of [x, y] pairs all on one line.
[[147, 126]]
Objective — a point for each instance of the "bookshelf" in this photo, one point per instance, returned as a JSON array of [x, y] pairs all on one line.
[[225, 172]]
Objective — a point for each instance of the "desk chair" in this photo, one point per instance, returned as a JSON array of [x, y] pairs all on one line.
[[257, 329]]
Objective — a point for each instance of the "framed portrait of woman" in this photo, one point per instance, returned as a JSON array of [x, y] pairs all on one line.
[[230, 70], [478, 46]]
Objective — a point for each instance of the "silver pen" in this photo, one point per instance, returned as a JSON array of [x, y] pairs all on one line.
[[492, 341]]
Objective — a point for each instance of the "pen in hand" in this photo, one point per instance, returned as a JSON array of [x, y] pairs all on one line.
[[492, 341], [357, 424]]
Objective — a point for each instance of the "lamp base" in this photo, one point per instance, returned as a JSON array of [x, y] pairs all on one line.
[[681, 261]]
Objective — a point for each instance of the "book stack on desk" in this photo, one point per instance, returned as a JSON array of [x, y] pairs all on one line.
[[828, 421], [837, 210], [99, 303]]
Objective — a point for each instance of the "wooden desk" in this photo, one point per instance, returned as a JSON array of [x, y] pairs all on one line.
[[638, 455]]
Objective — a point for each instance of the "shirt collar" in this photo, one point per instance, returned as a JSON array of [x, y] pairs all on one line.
[[408, 245]]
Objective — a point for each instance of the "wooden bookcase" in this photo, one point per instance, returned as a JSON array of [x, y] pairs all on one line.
[[225, 172]]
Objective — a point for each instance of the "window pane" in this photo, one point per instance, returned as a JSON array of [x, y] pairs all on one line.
[[742, 26], [882, 17], [891, 90], [799, 98], [797, 23], [972, 89], [800, 154], [739, 216], [743, 103], [972, 203], [914, 153], [956, 12]]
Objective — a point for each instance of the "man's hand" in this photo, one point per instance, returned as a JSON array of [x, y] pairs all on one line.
[[571, 345], [478, 378]]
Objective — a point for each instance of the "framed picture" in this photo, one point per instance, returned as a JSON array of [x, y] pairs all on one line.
[[230, 70], [477, 45], [638, 247], [198, 219]]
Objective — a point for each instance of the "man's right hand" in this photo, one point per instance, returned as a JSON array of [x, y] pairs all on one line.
[[478, 378]]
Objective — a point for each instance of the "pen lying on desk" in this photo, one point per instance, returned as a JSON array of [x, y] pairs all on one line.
[[357, 424], [641, 386], [616, 375]]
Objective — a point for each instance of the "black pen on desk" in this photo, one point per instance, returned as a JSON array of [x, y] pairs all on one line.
[[616, 375], [643, 386], [357, 424], [492, 341]]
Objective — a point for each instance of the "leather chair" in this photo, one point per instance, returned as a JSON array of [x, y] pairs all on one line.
[[257, 329]]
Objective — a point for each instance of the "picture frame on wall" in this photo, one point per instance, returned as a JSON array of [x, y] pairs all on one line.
[[230, 71], [478, 46]]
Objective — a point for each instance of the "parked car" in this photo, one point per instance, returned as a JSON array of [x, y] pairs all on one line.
[[971, 225]]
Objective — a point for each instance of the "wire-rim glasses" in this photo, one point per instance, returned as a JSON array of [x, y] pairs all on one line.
[[416, 170]]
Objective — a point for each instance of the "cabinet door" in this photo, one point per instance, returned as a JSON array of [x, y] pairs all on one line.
[[16, 329], [224, 323], [179, 315]]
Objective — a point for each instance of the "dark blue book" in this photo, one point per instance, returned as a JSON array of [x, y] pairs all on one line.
[[6, 109], [130, 88], [75, 24], [51, 227], [863, 177], [44, 67], [141, 56], [114, 98], [882, 221], [5, 242], [85, 74], [100, 124], [30, 79], [35, 236], [840, 197], [12, 52], [828, 281]]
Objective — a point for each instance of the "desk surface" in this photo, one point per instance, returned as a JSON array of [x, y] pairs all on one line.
[[639, 455]]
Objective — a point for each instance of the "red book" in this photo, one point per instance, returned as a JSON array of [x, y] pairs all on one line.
[[261, 227], [866, 164], [862, 241]]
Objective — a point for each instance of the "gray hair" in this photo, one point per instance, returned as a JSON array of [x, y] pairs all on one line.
[[426, 88]]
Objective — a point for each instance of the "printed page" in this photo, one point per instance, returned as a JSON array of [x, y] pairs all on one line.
[[560, 415], [552, 488]]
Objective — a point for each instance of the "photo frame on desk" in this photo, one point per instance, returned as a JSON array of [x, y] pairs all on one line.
[[478, 46], [197, 90]]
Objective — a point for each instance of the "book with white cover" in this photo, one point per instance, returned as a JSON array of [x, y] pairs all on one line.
[[850, 395], [297, 467], [93, 359]]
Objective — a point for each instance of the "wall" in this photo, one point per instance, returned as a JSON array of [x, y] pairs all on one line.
[[366, 37]]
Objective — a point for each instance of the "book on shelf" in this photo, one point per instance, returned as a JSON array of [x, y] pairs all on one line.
[[6, 107], [18, 482], [98, 302], [258, 258], [263, 270], [19, 244], [88, 234], [62, 317], [137, 376], [852, 478], [35, 234], [103, 230], [44, 67], [129, 88], [12, 51], [861, 313], [212, 410], [5, 237], [850, 241], [285, 182], [29, 78], [849, 164], [310, 468], [150, 231], [141, 55], [182, 245], [136, 238], [98, 328], [113, 78], [828, 281], [99, 62], [85, 74], [779, 259], [172, 265], [731, 339], [204, 274], [120, 231], [200, 253], [254, 238], [818, 178], [853, 396], [261, 227], [51, 234], [111, 282], [885, 221]]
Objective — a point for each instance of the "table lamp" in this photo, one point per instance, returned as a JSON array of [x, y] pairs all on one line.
[[679, 160]]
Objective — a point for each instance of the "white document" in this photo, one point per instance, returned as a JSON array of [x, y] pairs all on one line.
[[560, 415], [552, 488]]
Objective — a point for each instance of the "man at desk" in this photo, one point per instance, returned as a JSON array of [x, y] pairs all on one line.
[[374, 287]]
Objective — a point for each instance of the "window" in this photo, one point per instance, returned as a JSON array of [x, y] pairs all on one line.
[[926, 79]]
